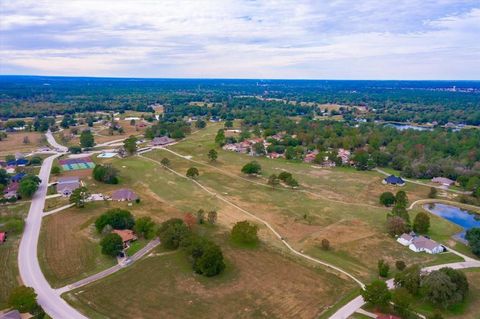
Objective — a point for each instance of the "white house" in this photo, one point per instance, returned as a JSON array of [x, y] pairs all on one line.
[[429, 246], [405, 239]]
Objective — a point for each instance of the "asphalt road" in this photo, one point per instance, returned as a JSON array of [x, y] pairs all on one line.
[[51, 141]]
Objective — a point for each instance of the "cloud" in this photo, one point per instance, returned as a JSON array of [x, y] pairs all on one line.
[[268, 39]]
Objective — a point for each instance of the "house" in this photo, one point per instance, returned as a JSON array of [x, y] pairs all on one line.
[[394, 180], [443, 181], [13, 314], [10, 169], [127, 236], [11, 190], [344, 155], [427, 245], [163, 140], [3, 237], [124, 194], [405, 239], [310, 157], [66, 185], [274, 155], [18, 162], [18, 177]]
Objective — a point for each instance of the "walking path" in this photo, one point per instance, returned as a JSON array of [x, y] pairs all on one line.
[[264, 222], [58, 209], [107, 272]]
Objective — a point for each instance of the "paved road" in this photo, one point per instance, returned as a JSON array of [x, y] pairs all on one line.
[[51, 141], [29, 267], [139, 254]]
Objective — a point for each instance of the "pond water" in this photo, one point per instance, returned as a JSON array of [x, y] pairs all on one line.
[[402, 127], [461, 217]]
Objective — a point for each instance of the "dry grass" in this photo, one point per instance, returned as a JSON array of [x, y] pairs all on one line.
[[14, 143]]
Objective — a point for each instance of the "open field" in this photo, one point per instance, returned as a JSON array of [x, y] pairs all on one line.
[[258, 280], [8, 252], [14, 143]]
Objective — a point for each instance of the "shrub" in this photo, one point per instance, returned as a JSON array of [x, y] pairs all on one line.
[[387, 199], [400, 265], [383, 268], [55, 170], [252, 168], [283, 176], [193, 172], [244, 232], [325, 244]]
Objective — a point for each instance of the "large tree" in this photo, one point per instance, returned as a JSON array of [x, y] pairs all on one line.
[[86, 139], [387, 199], [172, 232], [212, 155], [440, 290], [130, 145], [23, 298], [473, 237], [421, 223], [28, 186], [112, 244], [377, 294], [245, 232], [117, 218], [192, 172], [145, 227], [79, 196], [252, 168]]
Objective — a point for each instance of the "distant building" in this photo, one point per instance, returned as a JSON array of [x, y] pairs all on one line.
[[66, 185], [405, 239], [443, 181], [163, 140], [124, 194], [394, 180], [11, 190]]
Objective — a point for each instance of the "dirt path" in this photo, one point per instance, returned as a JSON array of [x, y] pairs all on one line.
[[264, 222]]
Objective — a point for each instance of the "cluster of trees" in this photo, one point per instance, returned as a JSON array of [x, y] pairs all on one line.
[[106, 174], [174, 128], [473, 237], [24, 299], [398, 220], [206, 257], [28, 186], [441, 288]]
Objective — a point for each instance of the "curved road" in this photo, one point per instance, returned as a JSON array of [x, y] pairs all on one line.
[[29, 267]]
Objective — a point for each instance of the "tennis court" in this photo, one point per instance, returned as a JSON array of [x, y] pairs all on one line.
[[77, 163]]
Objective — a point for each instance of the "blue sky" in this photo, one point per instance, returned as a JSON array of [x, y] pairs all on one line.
[[363, 39]]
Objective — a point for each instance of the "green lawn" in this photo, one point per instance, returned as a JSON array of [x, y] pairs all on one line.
[[9, 252]]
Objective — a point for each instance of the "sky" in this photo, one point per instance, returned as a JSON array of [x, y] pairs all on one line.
[[338, 39]]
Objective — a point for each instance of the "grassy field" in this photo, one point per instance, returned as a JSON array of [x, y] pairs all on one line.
[[8, 252], [14, 143], [256, 284]]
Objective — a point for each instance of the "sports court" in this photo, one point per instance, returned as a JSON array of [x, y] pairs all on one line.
[[76, 163]]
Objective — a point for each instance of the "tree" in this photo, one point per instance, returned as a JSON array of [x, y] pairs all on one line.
[[112, 244], [212, 155], [212, 217], [56, 170], [401, 212], [396, 225], [440, 290], [4, 177], [402, 300], [252, 168], [14, 225], [292, 182], [473, 237], [325, 244], [75, 149], [26, 140], [200, 124], [165, 162], [433, 193], [400, 265], [245, 232], [421, 223], [273, 180], [200, 216], [410, 279], [258, 148], [106, 174], [459, 279], [130, 145], [228, 124], [220, 137], [401, 199], [86, 139], [35, 160], [387, 199], [28, 186], [210, 262], [79, 196], [117, 218], [23, 298], [283, 176], [145, 227], [383, 268], [132, 122], [192, 172], [189, 220], [172, 232], [377, 294]]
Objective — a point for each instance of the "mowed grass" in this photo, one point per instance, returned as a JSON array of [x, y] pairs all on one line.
[[68, 248], [14, 143], [9, 275], [257, 283], [356, 231]]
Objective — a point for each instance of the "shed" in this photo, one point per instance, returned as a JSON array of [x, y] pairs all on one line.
[[394, 180]]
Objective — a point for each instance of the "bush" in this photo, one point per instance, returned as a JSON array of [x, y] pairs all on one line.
[[14, 225], [112, 244], [325, 244], [193, 172], [105, 174], [387, 199], [433, 193], [252, 168], [23, 298], [172, 232], [117, 218], [56, 170], [245, 233], [400, 265], [383, 268], [283, 176], [75, 149]]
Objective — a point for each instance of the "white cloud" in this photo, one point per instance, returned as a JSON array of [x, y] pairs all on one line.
[[268, 39]]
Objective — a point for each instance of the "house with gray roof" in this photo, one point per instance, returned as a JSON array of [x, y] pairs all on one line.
[[66, 185], [425, 244]]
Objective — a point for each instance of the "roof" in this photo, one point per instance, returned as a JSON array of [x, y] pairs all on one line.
[[124, 194], [126, 234], [70, 179], [392, 179], [2, 236], [443, 180], [18, 177], [12, 187], [61, 188], [425, 243], [162, 140], [406, 237], [14, 314]]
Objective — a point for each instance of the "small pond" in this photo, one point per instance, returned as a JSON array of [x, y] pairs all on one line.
[[461, 217]]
